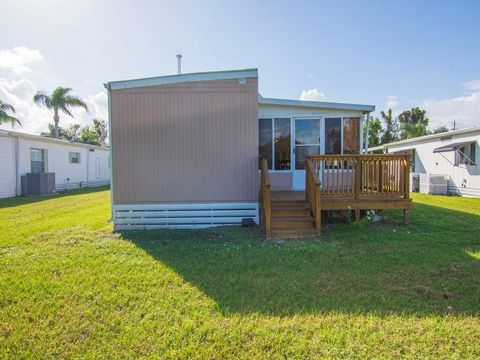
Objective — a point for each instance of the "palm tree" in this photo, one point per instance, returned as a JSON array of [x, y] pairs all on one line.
[[59, 100], [4, 117]]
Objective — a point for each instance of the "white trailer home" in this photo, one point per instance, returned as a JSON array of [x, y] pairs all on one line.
[[74, 164], [445, 163]]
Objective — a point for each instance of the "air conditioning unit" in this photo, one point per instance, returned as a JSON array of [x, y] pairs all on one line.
[[433, 184], [38, 184]]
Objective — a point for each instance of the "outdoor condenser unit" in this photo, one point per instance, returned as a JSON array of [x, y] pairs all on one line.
[[38, 184], [433, 184]]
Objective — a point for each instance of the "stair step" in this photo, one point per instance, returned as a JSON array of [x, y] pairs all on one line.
[[290, 212], [289, 203], [293, 233], [292, 222]]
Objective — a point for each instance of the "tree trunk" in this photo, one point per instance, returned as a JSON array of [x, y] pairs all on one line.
[[55, 120]]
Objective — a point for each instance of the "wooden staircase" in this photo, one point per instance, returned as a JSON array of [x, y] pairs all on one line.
[[291, 218]]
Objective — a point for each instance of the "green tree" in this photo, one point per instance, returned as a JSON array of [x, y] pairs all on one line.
[[100, 128], [391, 127], [5, 118], [413, 123], [88, 136], [374, 130], [59, 100]]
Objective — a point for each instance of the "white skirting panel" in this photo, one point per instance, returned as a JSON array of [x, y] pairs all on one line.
[[182, 216]]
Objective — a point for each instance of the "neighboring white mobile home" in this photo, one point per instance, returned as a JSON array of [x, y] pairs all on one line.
[[74, 164], [445, 163]]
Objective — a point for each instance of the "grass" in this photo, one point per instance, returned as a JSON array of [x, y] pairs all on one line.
[[70, 288]]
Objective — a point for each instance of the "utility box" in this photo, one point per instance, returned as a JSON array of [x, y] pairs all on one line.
[[433, 184], [38, 183]]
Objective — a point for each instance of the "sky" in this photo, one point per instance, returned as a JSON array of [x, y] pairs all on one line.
[[390, 54]]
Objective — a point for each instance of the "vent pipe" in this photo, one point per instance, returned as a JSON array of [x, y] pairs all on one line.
[[179, 63]]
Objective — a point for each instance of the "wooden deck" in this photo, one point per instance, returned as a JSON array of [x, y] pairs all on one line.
[[348, 182]]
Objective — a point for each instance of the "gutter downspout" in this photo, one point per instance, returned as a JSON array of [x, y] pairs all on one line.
[[366, 133], [88, 167], [361, 134], [110, 144], [17, 167]]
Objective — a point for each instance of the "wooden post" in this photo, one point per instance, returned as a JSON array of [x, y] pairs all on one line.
[[318, 211], [358, 176], [407, 176], [406, 217], [357, 215]]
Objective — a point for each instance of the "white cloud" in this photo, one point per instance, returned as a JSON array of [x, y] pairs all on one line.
[[392, 102], [312, 95], [19, 58], [464, 109], [472, 85], [34, 119]]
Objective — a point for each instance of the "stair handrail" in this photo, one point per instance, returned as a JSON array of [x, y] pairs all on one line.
[[266, 196], [312, 193]]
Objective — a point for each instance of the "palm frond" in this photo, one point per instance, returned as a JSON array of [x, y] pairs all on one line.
[[59, 95], [7, 119], [43, 99], [6, 107], [66, 110], [75, 101]]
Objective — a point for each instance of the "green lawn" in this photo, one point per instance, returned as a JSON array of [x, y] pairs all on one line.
[[70, 288]]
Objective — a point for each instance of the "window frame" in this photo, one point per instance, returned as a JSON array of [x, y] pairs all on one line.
[[322, 118], [272, 120], [70, 157], [459, 155], [44, 160]]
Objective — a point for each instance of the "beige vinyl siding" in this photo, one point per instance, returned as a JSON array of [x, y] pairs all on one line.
[[189, 142]]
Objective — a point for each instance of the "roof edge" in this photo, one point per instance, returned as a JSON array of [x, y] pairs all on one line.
[[182, 78], [319, 104], [13, 133], [427, 137]]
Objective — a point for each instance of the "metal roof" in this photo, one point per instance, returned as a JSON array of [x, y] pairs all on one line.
[[182, 78], [427, 137], [315, 104], [451, 147]]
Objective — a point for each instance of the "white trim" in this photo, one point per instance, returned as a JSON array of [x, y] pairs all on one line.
[[315, 104], [110, 142], [182, 215], [182, 78]]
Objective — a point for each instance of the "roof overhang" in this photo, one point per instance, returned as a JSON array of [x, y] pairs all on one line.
[[452, 146], [316, 104], [182, 78]]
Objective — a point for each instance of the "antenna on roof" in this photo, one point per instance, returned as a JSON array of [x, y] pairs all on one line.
[[179, 63]]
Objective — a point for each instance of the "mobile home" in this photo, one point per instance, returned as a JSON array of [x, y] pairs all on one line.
[[185, 152], [74, 164], [445, 163]]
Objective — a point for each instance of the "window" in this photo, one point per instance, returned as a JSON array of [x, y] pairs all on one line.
[[282, 144], [38, 160], [466, 154], [265, 140], [274, 142], [74, 157], [351, 135], [333, 136]]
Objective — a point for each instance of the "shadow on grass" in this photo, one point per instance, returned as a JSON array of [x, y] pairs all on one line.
[[23, 200], [419, 269]]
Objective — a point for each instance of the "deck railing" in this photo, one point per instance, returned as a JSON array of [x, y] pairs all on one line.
[[266, 196], [312, 191], [359, 176]]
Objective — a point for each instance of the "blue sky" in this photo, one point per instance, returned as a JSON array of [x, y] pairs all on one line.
[[386, 53]]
